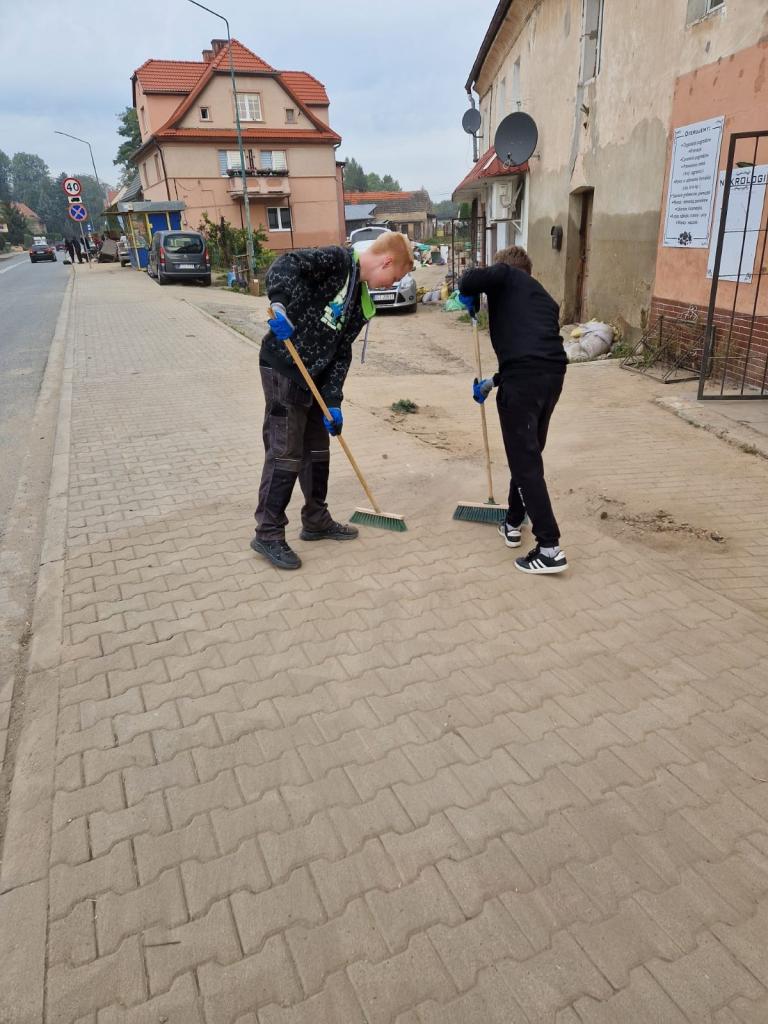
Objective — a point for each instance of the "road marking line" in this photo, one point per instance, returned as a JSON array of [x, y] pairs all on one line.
[[13, 266]]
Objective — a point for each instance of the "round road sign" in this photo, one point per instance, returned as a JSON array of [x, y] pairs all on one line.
[[71, 186], [77, 212]]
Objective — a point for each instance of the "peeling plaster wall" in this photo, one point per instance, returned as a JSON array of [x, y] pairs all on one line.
[[609, 135]]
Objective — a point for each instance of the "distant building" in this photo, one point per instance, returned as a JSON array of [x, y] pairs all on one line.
[[410, 212], [35, 225], [189, 150]]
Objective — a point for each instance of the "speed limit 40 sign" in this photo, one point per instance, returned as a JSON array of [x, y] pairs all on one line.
[[71, 186]]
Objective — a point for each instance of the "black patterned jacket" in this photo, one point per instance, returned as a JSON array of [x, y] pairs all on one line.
[[321, 293]]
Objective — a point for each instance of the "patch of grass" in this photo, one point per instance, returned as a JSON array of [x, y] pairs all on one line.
[[404, 405], [482, 319]]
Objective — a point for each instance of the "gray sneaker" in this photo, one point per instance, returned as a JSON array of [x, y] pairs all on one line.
[[336, 531], [511, 534], [277, 552]]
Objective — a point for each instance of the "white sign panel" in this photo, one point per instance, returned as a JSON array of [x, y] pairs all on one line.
[[742, 228], [695, 157]]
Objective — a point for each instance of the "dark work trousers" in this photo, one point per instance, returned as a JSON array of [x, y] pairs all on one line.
[[296, 445], [525, 407]]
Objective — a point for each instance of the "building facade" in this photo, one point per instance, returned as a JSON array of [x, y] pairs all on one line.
[[599, 78], [189, 150]]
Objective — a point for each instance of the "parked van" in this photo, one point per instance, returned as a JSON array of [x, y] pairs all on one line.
[[176, 255]]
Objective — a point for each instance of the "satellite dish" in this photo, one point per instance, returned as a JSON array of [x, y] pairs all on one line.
[[516, 139], [471, 121]]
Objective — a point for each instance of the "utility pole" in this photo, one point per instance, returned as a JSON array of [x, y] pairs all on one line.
[[246, 206]]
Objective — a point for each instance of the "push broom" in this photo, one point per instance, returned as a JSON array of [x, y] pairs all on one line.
[[481, 511], [372, 516]]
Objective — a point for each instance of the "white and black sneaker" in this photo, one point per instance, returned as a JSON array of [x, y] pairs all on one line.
[[536, 562], [511, 534]]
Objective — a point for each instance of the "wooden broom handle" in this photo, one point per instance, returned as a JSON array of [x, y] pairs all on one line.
[[327, 413], [482, 413]]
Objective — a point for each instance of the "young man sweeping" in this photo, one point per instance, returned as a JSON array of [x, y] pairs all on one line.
[[525, 334], [320, 301]]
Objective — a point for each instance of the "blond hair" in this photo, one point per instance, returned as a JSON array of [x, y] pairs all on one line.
[[397, 245]]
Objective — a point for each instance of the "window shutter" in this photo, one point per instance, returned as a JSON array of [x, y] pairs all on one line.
[[223, 162]]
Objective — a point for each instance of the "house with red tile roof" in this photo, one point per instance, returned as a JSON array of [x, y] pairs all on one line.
[[189, 149], [410, 212]]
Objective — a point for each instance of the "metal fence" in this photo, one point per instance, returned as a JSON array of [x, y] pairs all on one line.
[[734, 363]]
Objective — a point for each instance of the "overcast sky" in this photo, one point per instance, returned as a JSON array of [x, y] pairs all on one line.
[[394, 71]]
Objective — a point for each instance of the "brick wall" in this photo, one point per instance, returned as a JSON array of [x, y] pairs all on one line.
[[739, 329]]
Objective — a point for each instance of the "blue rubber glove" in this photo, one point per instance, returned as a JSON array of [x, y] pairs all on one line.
[[335, 423], [281, 326], [471, 303], [481, 389]]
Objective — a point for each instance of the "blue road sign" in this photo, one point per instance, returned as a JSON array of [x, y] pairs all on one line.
[[77, 212], [89, 227]]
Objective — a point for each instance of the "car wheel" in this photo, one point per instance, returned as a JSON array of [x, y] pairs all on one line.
[[412, 308], [161, 278], [205, 281]]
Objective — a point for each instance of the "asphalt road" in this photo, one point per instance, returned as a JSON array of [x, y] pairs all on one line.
[[30, 300]]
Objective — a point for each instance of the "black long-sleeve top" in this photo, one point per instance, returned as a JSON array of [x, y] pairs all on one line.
[[523, 318]]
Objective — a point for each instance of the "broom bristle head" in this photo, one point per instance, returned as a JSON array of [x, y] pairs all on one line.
[[382, 520], [480, 512]]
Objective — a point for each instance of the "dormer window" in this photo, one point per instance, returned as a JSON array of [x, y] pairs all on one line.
[[205, 113], [290, 115]]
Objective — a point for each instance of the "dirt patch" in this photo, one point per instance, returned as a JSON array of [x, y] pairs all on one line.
[[431, 425], [615, 514]]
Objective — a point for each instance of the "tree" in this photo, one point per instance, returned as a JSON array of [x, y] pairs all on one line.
[[30, 178], [128, 130], [16, 223], [5, 177], [356, 180], [446, 208], [354, 177], [389, 184]]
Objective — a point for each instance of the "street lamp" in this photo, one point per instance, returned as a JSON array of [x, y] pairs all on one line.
[[93, 162], [246, 206]]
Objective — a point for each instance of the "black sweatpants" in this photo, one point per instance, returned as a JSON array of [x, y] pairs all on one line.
[[296, 446], [525, 405]]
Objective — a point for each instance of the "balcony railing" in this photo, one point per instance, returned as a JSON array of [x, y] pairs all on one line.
[[261, 185]]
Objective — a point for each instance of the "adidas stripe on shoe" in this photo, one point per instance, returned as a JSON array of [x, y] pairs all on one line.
[[537, 563]]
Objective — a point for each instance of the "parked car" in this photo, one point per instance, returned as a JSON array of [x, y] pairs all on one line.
[[42, 251], [179, 255], [402, 294]]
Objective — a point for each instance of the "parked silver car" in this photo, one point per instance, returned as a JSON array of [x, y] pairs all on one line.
[[402, 294], [176, 255]]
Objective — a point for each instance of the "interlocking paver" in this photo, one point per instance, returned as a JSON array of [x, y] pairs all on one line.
[[400, 786]]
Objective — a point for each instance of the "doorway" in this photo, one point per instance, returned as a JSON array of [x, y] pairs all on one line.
[[577, 258]]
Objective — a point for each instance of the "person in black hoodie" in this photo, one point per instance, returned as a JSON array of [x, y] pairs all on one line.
[[525, 333], [319, 300]]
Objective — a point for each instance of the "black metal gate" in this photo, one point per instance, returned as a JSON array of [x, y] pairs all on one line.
[[735, 358], [467, 245]]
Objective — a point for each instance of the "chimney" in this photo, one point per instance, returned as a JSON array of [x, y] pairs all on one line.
[[218, 44], [207, 56]]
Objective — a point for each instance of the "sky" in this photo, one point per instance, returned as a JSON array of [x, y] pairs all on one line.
[[394, 71]]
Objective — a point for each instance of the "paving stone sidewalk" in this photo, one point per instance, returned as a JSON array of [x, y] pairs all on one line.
[[406, 785]]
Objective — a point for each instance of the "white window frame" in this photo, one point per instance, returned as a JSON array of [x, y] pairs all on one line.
[[249, 106], [586, 76], [207, 115], [233, 160], [290, 115], [267, 160], [279, 211]]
